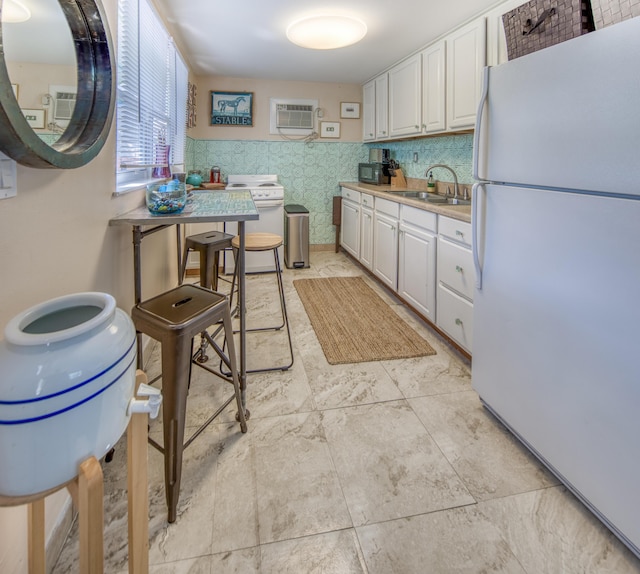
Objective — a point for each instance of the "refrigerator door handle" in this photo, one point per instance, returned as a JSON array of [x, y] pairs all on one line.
[[476, 133], [475, 227]]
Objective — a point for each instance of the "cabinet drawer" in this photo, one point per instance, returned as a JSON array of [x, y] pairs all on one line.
[[455, 317], [455, 268], [389, 207], [459, 231], [351, 195], [366, 200], [420, 218]]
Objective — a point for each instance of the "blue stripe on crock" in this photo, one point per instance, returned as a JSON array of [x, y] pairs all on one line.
[[45, 397], [70, 407]]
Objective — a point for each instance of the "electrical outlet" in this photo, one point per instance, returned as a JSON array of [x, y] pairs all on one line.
[[415, 157]]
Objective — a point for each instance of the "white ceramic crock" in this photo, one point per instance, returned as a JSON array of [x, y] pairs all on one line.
[[67, 374]]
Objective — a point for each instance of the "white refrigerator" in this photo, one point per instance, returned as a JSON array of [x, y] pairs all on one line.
[[557, 251]]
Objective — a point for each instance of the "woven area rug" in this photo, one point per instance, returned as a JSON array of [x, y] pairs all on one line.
[[354, 324]]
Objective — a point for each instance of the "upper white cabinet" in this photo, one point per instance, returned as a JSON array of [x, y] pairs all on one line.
[[382, 106], [375, 108], [466, 57], [435, 91], [496, 40], [369, 111], [433, 88], [405, 108]]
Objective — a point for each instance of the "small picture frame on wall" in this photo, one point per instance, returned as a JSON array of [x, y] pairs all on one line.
[[232, 109], [350, 110], [35, 118], [329, 129]]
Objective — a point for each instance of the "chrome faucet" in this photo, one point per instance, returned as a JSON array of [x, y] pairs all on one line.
[[455, 177]]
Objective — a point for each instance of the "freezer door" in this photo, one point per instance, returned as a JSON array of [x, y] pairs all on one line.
[[556, 332], [567, 116]]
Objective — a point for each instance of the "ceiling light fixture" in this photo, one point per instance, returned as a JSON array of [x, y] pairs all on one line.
[[326, 32], [14, 11]]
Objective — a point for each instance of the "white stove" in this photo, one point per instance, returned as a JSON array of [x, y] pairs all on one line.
[[262, 187], [268, 195]]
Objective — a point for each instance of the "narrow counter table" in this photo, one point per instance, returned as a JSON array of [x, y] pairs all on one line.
[[204, 207]]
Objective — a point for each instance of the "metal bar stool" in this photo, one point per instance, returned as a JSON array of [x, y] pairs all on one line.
[[266, 242], [174, 318], [209, 246]]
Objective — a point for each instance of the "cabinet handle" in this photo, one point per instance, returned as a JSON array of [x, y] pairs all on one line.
[[459, 233], [459, 269], [417, 127], [424, 126], [459, 322]]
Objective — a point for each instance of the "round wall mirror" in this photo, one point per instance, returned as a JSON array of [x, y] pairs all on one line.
[[79, 112]]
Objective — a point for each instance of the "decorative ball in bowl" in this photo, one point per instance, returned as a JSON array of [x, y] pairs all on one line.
[[165, 198]]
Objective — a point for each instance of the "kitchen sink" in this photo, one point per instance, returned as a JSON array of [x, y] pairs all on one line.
[[432, 197]]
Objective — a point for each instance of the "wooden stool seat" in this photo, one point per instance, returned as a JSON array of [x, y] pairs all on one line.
[[265, 242], [258, 241]]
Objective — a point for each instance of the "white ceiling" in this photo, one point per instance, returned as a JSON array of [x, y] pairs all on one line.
[[246, 38]]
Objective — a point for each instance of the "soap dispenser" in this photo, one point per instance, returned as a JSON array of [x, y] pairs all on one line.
[[431, 184]]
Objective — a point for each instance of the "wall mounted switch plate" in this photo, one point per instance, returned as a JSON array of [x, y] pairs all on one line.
[[8, 182]]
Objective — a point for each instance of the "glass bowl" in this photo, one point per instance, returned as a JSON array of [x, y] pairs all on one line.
[[165, 198]]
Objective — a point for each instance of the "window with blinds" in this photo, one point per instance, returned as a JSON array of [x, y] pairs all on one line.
[[151, 97]]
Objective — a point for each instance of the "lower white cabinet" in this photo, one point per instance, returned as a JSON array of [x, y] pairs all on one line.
[[366, 231], [385, 242], [417, 260], [456, 279], [350, 223]]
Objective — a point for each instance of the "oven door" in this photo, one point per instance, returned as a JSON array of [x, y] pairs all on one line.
[[271, 220]]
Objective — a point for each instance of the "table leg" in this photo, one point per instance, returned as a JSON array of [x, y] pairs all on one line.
[[137, 285], [242, 311]]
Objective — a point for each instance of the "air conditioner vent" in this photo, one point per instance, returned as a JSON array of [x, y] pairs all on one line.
[[289, 116], [294, 116], [64, 104]]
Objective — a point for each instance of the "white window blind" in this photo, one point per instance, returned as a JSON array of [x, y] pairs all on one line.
[[152, 95]]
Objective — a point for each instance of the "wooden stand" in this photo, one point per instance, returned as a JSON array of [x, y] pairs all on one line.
[[398, 179], [87, 493]]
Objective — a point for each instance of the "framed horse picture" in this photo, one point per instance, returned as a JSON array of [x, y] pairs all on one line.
[[231, 108]]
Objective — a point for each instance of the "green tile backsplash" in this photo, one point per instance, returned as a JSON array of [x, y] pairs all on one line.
[[310, 173]]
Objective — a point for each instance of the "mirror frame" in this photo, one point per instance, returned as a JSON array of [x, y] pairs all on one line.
[[90, 123]]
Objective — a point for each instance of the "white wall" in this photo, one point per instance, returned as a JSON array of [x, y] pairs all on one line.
[[55, 239], [328, 95]]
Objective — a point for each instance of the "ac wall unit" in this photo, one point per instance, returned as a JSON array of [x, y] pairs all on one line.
[[292, 116], [63, 105]]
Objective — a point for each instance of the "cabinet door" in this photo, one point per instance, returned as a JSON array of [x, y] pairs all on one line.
[[404, 98], [385, 249], [417, 270], [350, 228], [382, 106], [366, 237], [466, 56], [369, 111], [455, 317], [433, 88]]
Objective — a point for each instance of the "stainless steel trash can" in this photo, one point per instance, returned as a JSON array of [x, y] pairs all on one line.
[[296, 236]]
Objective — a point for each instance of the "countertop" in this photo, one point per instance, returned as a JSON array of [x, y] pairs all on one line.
[[203, 207], [460, 212]]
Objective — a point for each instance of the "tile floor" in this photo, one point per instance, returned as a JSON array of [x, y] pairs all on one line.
[[382, 468]]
